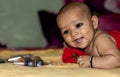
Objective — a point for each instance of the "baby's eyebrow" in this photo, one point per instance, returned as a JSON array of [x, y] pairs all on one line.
[[64, 28]]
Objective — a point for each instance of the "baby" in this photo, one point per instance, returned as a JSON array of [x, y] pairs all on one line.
[[79, 29]]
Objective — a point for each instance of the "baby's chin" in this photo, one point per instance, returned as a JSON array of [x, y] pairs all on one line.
[[74, 46], [78, 46]]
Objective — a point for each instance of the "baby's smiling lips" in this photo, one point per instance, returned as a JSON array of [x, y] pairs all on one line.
[[78, 40]]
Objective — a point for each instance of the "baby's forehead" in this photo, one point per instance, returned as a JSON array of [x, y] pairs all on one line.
[[74, 10], [71, 7], [79, 6]]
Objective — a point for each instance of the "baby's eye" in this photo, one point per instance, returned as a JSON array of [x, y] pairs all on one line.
[[65, 32], [79, 25]]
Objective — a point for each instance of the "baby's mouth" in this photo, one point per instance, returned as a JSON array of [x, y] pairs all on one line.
[[78, 40]]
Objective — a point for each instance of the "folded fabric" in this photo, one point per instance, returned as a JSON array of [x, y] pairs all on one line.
[[116, 35], [67, 56]]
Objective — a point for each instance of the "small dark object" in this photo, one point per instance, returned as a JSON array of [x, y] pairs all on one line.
[[91, 64], [75, 56], [3, 60]]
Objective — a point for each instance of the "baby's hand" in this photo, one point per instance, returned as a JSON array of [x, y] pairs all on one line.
[[64, 45], [84, 61]]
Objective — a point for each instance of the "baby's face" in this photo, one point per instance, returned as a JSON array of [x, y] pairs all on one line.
[[76, 28]]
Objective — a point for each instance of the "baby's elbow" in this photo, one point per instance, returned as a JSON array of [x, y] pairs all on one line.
[[113, 62], [116, 62]]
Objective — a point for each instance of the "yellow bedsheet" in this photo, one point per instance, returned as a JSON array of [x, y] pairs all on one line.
[[58, 69]]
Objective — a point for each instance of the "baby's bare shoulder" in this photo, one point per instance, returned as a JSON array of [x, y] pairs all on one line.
[[104, 38], [105, 44]]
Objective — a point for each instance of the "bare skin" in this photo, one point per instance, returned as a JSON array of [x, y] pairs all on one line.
[[80, 30]]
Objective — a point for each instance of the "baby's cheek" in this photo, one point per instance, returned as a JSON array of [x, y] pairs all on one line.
[[67, 40]]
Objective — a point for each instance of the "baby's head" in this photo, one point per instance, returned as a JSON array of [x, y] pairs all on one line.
[[72, 5], [77, 25]]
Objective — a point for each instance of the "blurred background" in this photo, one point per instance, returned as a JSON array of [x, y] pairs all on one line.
[[32, 23], [19, 22]]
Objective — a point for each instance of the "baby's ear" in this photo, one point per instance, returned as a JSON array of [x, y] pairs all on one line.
[[94, 20]]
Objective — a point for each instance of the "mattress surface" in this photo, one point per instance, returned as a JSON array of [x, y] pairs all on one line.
[[56, 69]]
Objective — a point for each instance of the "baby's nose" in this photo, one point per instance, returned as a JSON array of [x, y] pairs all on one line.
[[73, 32]]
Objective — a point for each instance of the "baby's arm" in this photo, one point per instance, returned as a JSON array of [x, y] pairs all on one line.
[[109, 54], [108, 51], [108, 61]]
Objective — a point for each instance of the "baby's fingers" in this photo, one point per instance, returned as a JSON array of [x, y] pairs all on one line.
[[80, 62]]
